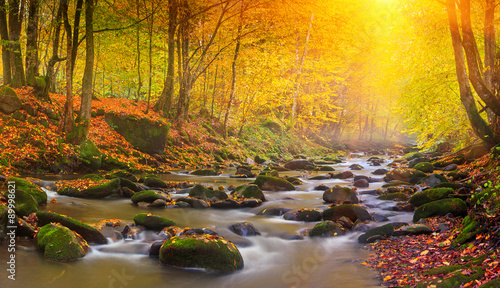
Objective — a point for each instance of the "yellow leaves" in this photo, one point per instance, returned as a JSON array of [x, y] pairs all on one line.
[[425, 252], [387, 278]]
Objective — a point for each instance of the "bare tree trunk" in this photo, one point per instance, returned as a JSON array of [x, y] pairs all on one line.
[[139, 84], [164, 103], [214, 91], [478, 124], [68, 122], [489, 58], [300, 63], [50, 77], [88, 73], [4, 35], [15, 26], [150, 55], [32, 62], [233, 71], [76, 33]]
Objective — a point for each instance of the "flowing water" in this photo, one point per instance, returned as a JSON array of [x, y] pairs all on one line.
[[271, 260]]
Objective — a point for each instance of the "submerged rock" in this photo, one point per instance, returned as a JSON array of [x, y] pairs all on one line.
[[152, 222], [326, 229], [274, 211], [201, 192], [351, 211], [307, 215], [269, 183], [244, 229], [209, 252]]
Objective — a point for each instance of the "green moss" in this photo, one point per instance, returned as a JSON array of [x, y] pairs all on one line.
[[430, 195], [93, 177], [385, 231], [413, 155], [155, 182], [90, 154], [152, 222], [294, 180], [28, 196], [89, 233], [201, 192], [60, 243], [248, 191], [212, 254], [425, 167], [273, 184], [326, 229], [108, 189], [148, 196], [395, 183], [396, 196], [491, 284], [351, 211], [324, 168], [440, 208], [459, 159], [470, 228]]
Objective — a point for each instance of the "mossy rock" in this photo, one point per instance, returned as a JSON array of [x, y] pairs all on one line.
[[454, 186], [148, 196], [339, 194], [259, 160], [9, 102], [384, 231], [294, 180], [470, 228], [395, 183], [300, 164], [201, 192], [28, 196], [429, 195], [269, 183], [459, 160], [93, 177], [269, 172], [208, 252], [413, 155], [433, 180], [440, 208], [306, 215], [425, 167], [121, 174], [144, 134], [324, 168], [109, 189], [396, 196], [60, 244], [351, 211], [404, 174], [152, 222], [204, 172], [248, 191], [143, 178], [89, 233], [155, 182], [90, 154], [326, 229], [129, 184]]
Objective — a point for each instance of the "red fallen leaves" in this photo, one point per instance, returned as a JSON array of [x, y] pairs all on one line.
[[401, 260]]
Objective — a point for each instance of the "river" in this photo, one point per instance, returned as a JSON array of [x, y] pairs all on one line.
[[271, 260]]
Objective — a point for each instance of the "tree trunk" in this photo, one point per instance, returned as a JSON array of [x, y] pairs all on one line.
[[31, 43], [150, 56], [470, 47], [88, 73], [68, 122], [76, 33], [164, 103], [4, 36], [478, 124], [489, 58], [139, 84], [233, 71], [15, 24]]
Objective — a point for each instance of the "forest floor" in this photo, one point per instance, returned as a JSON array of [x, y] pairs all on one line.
[[32, 143]]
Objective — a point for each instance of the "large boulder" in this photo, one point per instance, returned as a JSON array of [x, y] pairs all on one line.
[[152, 222], [351, 211], [429, 195], [209, 252], [417, 160], [248, 191], [109, 189], [455, 206], [9, 102], [90, 155], [300, 164], [361, 183], [433, 180], [339, 194], [28, 196], [144, 134], [155, 182], [60, 244], [458, 159], [204, 172], [425, 167], [149, 196], [374, 233], [404, 174], [326, 229], [269, 183], [201, 192], [89, 233]]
